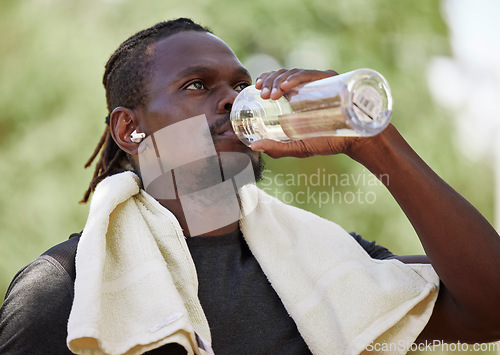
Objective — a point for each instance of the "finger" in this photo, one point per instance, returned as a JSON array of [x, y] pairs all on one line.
[[305, 76], [276, 91], [307, 147], [279, 150], [260, 79], [268, 81]]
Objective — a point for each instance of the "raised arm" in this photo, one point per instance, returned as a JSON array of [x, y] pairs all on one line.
[[462, 246]]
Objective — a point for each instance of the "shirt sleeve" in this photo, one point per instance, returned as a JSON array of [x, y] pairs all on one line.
[[35, 312], [374, 250]]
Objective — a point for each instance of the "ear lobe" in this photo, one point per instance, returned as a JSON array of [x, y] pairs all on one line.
[[122, 122]]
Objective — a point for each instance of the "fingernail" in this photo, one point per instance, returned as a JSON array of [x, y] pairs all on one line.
[[264, 91], [275, 91]]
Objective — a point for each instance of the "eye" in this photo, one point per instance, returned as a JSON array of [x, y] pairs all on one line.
[[241, 86], [196, 85]]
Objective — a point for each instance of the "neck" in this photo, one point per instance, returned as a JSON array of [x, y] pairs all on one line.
[[211, 213]]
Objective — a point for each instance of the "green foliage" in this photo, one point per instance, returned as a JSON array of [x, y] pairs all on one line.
[[52, 103]]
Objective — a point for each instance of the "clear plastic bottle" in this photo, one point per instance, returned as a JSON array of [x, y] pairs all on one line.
[[357, 103]]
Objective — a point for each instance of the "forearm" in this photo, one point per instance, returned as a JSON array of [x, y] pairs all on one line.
[[460, 243]]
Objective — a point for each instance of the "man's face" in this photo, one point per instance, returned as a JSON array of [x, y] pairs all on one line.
[[195, 79], [195, 73]]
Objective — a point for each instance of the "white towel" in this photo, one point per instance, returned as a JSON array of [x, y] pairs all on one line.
[[136, 285], [341, 299]]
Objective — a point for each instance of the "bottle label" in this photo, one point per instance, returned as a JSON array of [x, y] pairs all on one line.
[[367, 104]]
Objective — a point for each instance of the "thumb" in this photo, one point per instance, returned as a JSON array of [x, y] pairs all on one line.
[[279, 150]]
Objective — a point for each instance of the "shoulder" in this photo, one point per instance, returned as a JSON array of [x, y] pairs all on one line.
[[55, 267], [38, 302], [374, 250], [64, 254]]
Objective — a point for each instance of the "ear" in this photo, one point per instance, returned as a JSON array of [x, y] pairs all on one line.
[[122, 122]]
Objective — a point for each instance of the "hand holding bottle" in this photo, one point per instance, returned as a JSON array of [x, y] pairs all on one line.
[[275, 83], [353, 104]]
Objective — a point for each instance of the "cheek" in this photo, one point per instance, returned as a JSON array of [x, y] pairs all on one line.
[[162, 113]]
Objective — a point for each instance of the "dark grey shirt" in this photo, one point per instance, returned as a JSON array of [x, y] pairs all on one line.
[[245, 315]]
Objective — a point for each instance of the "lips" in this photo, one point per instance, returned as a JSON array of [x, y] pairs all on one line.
[[224, 136], [228, 136], [228, 133], [225, 130]]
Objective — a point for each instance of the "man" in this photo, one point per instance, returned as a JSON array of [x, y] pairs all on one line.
[[176, 71]]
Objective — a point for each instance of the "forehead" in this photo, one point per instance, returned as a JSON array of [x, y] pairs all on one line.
[[190, 49]]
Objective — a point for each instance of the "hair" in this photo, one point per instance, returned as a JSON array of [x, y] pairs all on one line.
[[126, 74]]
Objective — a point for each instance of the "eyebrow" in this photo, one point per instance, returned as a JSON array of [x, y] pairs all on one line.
[[201, 69]]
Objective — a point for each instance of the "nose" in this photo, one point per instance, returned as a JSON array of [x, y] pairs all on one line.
[[225, 103]]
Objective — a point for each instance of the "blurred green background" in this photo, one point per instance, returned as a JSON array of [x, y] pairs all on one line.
[[52, 104]]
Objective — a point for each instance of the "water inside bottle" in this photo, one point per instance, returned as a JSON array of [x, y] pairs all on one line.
[[283, 121], [361, 108], [256, 118]]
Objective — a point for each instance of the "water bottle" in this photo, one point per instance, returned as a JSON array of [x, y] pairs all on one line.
[[357, 103]]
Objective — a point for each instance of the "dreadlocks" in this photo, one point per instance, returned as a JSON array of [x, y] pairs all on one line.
[[126, 74]]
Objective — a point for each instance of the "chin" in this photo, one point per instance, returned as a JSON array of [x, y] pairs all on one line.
[[246, 163], [229, 143]]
